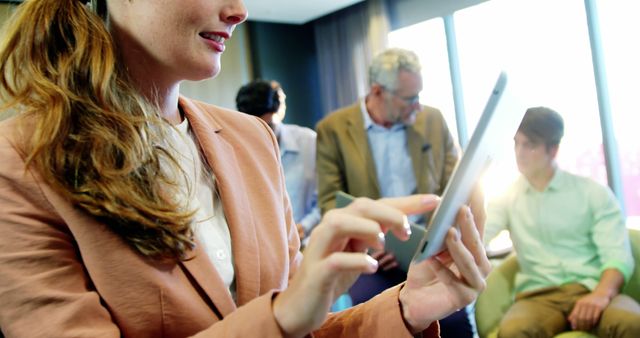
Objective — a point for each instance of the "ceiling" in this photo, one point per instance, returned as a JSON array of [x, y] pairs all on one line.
[[293, 11]]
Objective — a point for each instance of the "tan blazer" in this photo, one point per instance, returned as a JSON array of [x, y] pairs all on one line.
[[344, 160], [63, 274]]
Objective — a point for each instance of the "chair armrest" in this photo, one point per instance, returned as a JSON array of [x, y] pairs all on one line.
[[633, 286], [496, 299]]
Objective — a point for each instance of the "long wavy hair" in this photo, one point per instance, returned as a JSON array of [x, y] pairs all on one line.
[[94, 138]]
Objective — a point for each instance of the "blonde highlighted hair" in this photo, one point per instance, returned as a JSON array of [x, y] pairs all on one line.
[[94, 138]]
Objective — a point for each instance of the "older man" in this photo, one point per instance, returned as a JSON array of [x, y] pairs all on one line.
[[385, 145]]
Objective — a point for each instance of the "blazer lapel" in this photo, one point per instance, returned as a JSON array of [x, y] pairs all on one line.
[[220, 156], [417, 142], [355, 129], [87, 229], [204, 273]]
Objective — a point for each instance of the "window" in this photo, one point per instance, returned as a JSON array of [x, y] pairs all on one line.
[[620, 31], [544, 45], [427, 39]]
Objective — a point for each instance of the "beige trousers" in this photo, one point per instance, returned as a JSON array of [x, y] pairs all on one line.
[[543, 313]]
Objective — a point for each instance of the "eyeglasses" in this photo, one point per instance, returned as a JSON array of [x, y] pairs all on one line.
[[410, 101]]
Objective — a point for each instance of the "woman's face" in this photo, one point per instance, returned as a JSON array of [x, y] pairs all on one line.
[[173, 40]]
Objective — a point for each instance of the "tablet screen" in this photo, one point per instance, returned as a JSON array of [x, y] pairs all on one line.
[[496, 127]]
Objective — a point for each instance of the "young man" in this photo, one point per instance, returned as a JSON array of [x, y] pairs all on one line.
[[571, 242]]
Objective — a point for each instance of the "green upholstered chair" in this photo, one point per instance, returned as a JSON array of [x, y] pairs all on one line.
[[498, 296]]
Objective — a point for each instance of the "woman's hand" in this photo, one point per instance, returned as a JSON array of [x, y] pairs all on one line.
[[386, 260], [443, 284], [336, 256]]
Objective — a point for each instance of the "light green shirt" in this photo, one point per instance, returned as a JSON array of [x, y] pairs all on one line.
[[570, 232]]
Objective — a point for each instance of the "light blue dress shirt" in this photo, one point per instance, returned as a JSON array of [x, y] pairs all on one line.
[[570, 232], [390, 151], [298, 157]]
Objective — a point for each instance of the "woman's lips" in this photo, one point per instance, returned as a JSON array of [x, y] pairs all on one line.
[[215, 40]]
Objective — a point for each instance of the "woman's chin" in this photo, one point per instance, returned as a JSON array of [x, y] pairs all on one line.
[[205, 74]]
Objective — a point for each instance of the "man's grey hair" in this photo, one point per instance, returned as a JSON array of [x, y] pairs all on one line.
[[385, 67]]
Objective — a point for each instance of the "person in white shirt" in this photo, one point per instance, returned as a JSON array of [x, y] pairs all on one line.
[[266, 100]]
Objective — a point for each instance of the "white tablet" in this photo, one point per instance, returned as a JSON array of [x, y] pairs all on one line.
[[497, 125]]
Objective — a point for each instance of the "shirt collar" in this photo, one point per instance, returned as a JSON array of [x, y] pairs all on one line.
[[285, 141], [556, 183], [368, 121], [183, 126], [558, 180], [277, 129]]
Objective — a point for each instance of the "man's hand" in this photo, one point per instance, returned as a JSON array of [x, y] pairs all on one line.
[[587, 311]]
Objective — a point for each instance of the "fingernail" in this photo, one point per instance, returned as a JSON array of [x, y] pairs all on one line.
[[373, 264], [428, 200], [456, 235], [407, 225], [381, 238]]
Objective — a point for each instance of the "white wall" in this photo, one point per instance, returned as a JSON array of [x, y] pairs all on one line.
[[408, 12]]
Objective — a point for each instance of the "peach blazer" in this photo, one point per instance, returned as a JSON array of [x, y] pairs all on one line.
[[63, 273]]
